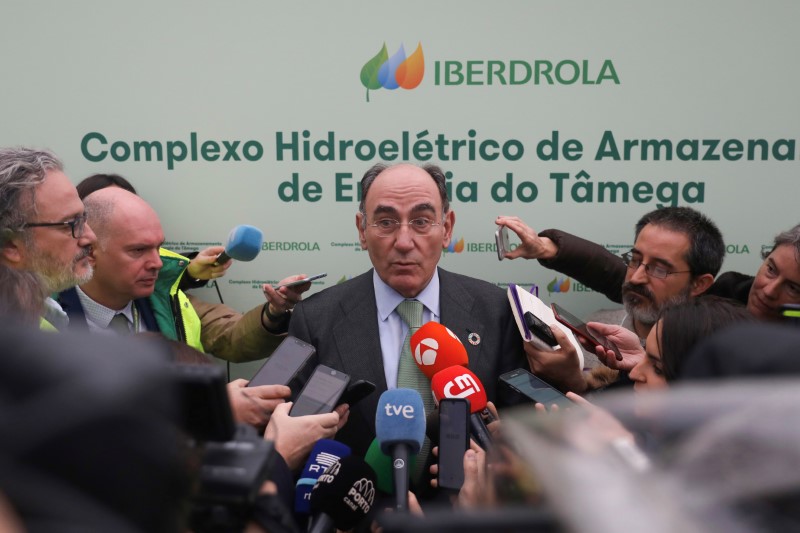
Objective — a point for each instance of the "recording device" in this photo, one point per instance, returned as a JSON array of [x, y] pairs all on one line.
[[325, 453], [244, 243], [501, 240], [435, 348], [357, 391], [460, 382], [579, 327], [284, 363], [302, 281], [453, 441], [321, 392], [400, 430], [343, 495], [541, 334], [534, 388], [234, 460], [791, 312]]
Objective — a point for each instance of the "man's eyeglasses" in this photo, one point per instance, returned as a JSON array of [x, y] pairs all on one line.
[[76, 225], [654, 271], [386, 227]]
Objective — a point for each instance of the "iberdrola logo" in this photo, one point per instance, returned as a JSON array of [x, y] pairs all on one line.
[[390, 73], [558, 285], [456, 246]]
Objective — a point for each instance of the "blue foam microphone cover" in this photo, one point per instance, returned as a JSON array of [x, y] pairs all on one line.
[[324, 454], [400, 419], [244, 244]]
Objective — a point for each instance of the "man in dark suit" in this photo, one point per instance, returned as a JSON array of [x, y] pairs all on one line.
[[404, 221]]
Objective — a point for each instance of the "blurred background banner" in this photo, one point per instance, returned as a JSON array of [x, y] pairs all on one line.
[[580, 115]]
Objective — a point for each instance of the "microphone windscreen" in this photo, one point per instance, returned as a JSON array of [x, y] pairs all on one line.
[[345, 492], [382, 465], [435, 348], [324, 454], [459, 382], [244, 243], [400, 419]]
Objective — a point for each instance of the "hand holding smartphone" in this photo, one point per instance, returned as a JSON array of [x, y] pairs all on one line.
[[453, 441], [578, 326], [541, 335], [302, 281]]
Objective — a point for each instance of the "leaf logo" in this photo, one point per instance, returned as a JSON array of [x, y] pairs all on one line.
[[397, 71], [558, 285], [456, 247]]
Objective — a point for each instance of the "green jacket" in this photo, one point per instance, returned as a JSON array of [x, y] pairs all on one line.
[[175, 316]]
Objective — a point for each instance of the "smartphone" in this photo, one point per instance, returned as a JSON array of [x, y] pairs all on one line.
[[301, 281], [284, 363], [321, 392], [791, 312], [534, 388], [357, 391], [453, 441], [541, 334], [579, 327], [501, 239]]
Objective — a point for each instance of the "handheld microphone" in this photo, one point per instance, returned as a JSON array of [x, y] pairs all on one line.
[[343, 495], [400, 430], [244, 243], [324, 454], [460, 382], [435, 348], [382, 465]]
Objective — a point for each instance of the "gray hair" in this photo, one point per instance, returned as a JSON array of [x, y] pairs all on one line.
[[98, 212], [790, 237], [21, 171], [436, 173]]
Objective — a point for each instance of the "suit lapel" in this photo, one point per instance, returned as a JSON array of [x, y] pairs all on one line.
[[457, 304]]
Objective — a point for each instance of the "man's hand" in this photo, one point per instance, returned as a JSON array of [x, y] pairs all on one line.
[[561, 367], [254, 405], [531, 246], [627, 342], [295, 436], [285, 298], [202, 266]]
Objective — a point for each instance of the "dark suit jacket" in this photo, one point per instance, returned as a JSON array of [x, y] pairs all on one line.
[[341, 322], [71, 304]]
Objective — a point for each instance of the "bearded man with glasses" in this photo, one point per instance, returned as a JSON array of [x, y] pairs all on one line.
[[676, 255], [43, 224], [403, 222]]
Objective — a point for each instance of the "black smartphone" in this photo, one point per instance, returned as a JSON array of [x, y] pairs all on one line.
[[321, 392], [296, 282], [542, 334], [579, 327], [534, 388], [453, 441], [357, 391], [284, 363]]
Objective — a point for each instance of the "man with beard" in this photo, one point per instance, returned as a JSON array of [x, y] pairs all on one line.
[[43, 225], [676, 255]]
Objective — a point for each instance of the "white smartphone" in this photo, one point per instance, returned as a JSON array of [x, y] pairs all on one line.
[[501, 239], [301, 281]]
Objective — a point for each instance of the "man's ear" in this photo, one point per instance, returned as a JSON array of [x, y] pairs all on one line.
[[449, 223], [700, 284], [12, 250], [362, 233]]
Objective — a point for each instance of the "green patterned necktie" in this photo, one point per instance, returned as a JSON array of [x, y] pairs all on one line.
[[409, 376], [120, 325]]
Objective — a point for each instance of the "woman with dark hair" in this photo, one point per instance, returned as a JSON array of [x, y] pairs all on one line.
[[95, 182], [678, 330]]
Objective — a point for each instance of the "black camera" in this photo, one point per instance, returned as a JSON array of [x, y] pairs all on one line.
[[231, 461]]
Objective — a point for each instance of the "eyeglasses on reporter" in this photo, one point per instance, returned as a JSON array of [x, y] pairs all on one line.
[[77, 225], [654, 271]]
